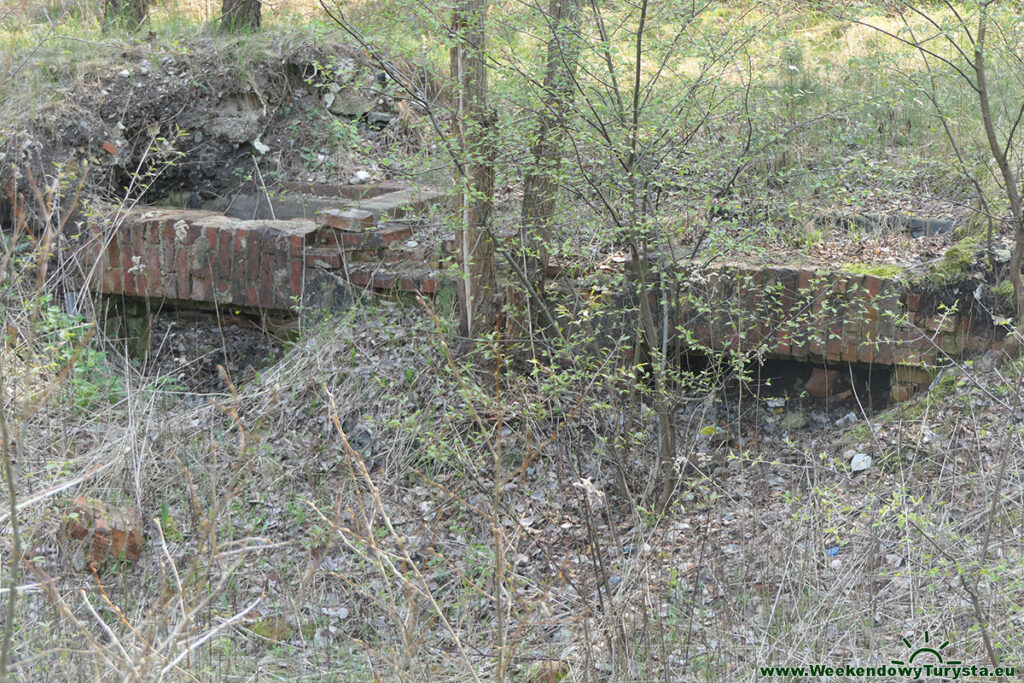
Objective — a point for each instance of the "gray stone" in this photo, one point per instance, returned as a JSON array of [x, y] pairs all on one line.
[[236, 120], [347, 102], [379, 118]]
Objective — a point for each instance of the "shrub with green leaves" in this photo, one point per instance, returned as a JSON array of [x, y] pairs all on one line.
[[63, 341]]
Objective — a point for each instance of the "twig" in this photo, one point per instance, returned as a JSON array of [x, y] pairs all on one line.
[[15, 561]]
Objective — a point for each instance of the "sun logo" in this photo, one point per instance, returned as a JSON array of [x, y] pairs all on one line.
[[927, 649]]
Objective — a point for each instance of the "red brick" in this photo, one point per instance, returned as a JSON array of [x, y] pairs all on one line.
[[129, 288], [383, 280], [141, 284], [138, 240], [782, 345], [153, 275], [152, 235], [253, 254], [225, 247], [241, 240], [166, 230], [113, 281], [252, 296], [804, 281], [222, 292], [866, 352], [854, 286], [102, 532], [201, 289], [872, 285], [298, 245], [789, 279], [900, 393], [239, 282], [884, 353], [296, 270], [377, 239], [346, 219], [429, 284], [834, 349], [266, 282], [353, 241], [187, 233], [114, 251], [940, 323], [123, 241], [239, 267], [212, 235], [815, 344], [224, 265], [850, 344], [914, 302], [168, 242], [99, 548], [182, 275], [323, 258], [823, 383], [360, 278]]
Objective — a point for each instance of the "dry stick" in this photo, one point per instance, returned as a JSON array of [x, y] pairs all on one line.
[[46, 581], [126, 660], [117, 610], [210, 634], [174, 569], [971, 591], [496, 531], [15, 561], [372, 488]]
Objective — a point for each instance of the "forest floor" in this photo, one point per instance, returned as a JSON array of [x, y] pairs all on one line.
[[373, 499]]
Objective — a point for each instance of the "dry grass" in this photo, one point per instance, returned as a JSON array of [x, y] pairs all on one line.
[[338, 519], [378, 505]]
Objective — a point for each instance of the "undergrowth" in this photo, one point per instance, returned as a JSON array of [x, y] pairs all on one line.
[[389, 501]]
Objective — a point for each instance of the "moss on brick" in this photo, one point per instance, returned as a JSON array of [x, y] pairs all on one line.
[[915, 409], [883, 270], [956, 265]]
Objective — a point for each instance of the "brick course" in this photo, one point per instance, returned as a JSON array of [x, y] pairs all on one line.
[[805, 313], [819, 315], [202, 256]]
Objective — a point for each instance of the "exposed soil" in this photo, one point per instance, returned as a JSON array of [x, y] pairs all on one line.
[[203, 124], [190, 348]]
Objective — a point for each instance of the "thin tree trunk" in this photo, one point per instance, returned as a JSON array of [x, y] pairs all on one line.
[[1010, 179], [474, 125], [128, 14], [241, 15], [540, 190]]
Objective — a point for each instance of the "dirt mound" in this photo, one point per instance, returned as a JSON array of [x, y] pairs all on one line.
[[216, 116]]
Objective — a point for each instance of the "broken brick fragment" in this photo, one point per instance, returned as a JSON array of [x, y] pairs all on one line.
[[824, 383], [346, 219], [95, 533]]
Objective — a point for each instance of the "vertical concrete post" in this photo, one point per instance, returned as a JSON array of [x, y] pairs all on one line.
[[128, 319]]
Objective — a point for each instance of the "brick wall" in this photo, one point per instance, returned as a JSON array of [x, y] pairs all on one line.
[[819, 315], [802, 312], [202, 256]]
